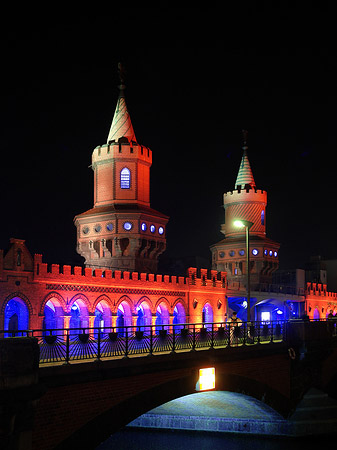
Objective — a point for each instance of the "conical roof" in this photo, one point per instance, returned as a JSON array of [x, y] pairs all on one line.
[[245, 174], [121, 123]]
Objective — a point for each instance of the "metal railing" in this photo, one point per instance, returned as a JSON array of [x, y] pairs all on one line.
[[73, 344]]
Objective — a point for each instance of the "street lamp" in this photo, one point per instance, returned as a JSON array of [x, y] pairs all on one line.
[[246, 224]]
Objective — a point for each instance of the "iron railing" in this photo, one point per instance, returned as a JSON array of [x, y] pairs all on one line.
[[73, 344]]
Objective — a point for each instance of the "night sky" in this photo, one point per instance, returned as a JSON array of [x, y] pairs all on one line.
[[195, 78]]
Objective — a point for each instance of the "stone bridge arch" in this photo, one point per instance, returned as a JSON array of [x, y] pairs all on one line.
[[128, 409], [113, 403]]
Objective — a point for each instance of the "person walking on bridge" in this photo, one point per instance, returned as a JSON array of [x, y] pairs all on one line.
[[234, 328]]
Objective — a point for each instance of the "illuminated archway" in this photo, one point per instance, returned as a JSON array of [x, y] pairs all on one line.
[[316, 314], [162, 317], [124, 317], [53, 317], [207, 314], [144, 316], [79, 316], [16, 317], [179, 316], [102, 316]]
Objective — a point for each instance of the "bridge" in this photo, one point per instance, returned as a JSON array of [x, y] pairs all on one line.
[[73, 388]]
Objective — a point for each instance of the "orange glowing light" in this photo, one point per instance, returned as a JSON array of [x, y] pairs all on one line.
[[206, 379]]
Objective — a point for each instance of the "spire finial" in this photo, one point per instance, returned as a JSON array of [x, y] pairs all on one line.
[[245, 139], [121, 73]]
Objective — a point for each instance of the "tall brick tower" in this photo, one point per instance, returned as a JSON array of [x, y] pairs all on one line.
[[245, 202], [121, 231]]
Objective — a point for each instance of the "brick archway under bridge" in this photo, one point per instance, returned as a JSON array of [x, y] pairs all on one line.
[[86, 402]]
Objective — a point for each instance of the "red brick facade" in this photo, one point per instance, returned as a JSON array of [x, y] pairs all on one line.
[[35, 284]]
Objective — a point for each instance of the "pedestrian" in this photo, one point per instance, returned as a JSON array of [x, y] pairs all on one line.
[[234, 328]]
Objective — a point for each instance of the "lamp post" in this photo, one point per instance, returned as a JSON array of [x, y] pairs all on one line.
[[247, 225]]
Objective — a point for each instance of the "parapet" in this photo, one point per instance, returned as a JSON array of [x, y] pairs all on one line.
[[120, 149], [245, 195], [319, 290], [67, 274], [205, 277]]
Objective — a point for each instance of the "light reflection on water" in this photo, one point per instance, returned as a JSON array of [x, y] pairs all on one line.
[[142, 439]]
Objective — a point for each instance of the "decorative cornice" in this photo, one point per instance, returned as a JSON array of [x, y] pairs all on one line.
[[81, 288]]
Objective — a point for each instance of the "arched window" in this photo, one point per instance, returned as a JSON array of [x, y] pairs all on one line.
[[125, 178], [262, 217]]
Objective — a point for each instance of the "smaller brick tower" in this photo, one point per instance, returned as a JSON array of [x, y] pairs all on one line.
[[121, 231], [245, 202]]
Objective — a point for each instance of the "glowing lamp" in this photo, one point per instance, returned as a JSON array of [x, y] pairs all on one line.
[[238, 224], [206, 379]]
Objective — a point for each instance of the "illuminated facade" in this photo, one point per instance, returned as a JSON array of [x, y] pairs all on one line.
[[248, 203], [121, 231], [35, 296], [120, 238]]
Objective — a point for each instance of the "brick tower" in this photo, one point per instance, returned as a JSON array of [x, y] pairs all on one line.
[[245, 202], [121, 231]]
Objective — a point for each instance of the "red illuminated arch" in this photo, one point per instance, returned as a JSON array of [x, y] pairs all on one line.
[[105, 299], [126, 299], [147, 301], [53, 295], [80, 298], [163, 300]]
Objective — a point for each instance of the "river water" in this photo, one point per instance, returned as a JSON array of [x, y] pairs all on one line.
[[146, 439]]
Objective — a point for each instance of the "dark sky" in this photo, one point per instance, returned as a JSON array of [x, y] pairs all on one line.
[[195, 78]]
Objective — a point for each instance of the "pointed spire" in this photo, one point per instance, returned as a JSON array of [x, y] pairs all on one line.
[[245, 174], [121, 123]]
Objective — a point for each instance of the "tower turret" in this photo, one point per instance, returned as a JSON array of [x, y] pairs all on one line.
[[121, 231], [248, 203]]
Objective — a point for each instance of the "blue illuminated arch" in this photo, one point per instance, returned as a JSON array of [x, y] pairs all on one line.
[[162, 317], [16, 316], [179, 316], [207, 314]]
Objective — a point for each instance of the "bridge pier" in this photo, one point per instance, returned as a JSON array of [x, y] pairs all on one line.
[[19, 390]]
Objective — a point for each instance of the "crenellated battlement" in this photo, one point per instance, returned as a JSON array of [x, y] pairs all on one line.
[[121, 149], [68, 274], [319, 290], [245, 195]]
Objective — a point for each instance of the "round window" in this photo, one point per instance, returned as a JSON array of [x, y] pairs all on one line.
[[143, 226], [127, 226], [85, 230], [255, 251], [110, 226], [232, 253], [221, 254], [275, 254], [241, 252], [98, 228], [160, 230], [152, 228]]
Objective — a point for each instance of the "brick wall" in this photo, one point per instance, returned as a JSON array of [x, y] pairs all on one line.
[[85, 411]]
